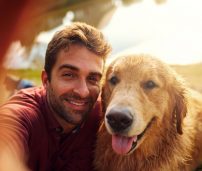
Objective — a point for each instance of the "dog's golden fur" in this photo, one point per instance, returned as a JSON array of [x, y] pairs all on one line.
[[173, 141]]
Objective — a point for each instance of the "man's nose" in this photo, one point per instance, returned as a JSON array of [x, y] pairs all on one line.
[[82, 89]]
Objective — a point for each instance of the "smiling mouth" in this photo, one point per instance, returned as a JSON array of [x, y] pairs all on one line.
[[80, 103], [77, 104], [125, 145]]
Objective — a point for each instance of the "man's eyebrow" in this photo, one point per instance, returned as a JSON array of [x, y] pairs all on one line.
[[68, 66], [72, 67], [96, 73]]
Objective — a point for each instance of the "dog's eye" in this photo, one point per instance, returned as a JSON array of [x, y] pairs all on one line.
[[113, 80], [150, 85]]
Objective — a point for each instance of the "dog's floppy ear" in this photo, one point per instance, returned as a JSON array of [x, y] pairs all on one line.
[[180, 108], [180, 111]]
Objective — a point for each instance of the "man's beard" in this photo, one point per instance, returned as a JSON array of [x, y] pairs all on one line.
[[57, 105]]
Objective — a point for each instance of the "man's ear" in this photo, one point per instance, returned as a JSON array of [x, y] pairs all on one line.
[[44, 78]]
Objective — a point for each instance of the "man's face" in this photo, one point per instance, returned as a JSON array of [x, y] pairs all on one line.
[[75, 83]]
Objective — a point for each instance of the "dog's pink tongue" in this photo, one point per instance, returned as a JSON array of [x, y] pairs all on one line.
[[121, 144]]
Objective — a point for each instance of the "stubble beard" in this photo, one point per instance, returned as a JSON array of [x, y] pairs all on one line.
[[67, 114]]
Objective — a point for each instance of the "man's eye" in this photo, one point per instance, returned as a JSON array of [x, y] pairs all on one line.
[[69, 75], [94, 79]]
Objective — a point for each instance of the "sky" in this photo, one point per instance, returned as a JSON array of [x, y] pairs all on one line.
[[171, 31]]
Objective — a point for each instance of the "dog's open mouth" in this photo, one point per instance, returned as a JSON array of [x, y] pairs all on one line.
[[125, 145]]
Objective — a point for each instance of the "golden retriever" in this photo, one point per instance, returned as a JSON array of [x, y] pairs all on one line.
[[152, 122]]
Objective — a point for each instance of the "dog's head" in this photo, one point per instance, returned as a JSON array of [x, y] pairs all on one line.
[[138, 91]]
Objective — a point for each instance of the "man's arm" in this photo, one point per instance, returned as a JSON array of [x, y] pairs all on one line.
[[12, 151]]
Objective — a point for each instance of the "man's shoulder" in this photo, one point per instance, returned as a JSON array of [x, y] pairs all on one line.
[[29, 95], [25, 108], [25, 101]]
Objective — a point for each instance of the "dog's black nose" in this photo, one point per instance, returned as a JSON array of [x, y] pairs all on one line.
[[119, 119]]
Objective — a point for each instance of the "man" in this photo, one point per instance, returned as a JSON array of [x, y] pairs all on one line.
[[53, 127]]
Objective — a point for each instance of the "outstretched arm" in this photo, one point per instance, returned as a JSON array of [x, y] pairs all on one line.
[[12, 151]]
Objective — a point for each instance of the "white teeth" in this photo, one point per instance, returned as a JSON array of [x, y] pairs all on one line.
[[77, 103]]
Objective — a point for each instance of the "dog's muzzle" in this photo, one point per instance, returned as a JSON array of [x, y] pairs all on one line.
[[119, 119]]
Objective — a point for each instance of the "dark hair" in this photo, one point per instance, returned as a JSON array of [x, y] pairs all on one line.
[[80, 33]]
